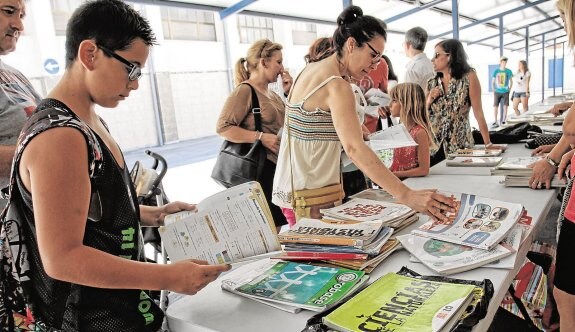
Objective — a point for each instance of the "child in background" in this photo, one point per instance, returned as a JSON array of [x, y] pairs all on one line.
[[408, 103]]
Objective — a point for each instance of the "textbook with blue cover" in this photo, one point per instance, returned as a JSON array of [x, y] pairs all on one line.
[[297, 285]]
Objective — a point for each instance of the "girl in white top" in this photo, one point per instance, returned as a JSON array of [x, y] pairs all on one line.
[[521, 87], [321, 120]]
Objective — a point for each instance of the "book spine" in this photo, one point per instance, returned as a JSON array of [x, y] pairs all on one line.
[[322, 255], [338, 241]]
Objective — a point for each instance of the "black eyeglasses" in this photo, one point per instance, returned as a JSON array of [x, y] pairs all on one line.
[[377, 56], [134, 71], [436, 55]]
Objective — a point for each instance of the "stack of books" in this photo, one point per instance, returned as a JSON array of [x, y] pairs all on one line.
[[480, 231], [475, 152], [473, 161], [402, 303], [292, 286], [351, 244], [517, 172]]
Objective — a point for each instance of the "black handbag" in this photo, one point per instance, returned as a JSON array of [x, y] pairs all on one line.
[[238, 163]]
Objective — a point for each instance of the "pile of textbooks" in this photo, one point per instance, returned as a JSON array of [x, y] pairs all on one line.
[[480, 231], [351, 244], [292, 286], [517, 172]]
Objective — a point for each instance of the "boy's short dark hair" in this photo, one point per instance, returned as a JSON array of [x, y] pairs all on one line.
[[110, 23]]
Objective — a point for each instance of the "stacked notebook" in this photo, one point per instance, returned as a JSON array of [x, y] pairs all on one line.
[[517, 172]]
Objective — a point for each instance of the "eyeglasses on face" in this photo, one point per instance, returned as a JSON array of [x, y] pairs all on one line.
[[377, 56], [437, 54], [134, 71]]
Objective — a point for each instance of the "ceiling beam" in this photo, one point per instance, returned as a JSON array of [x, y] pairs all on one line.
[[516, 29], [412, 11], [235, 8], [525, 6]]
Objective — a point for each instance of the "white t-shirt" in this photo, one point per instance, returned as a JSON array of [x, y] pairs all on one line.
[[520, 81], [419, 70]]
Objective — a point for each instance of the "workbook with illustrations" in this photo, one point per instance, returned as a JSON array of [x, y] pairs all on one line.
[[293, 284], [334, 232], [477, 221], [401, 304], [227, 227], [474, 153], [360, 209], [473, 161], [447, 258]]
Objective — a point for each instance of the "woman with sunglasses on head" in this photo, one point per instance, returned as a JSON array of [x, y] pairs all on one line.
[[321, 120], [453, 90], [261, 66], [86, 270], [521, 87]]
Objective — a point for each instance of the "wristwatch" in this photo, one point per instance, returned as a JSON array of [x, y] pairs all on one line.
[[551, 162]]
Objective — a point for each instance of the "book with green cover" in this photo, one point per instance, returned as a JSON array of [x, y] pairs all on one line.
[[400, 303], [305, 286]]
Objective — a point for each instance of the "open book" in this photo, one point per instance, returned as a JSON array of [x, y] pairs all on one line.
[[478, 222], [227, 227]]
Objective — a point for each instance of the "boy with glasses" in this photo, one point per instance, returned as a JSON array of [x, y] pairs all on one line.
[[86, 270]]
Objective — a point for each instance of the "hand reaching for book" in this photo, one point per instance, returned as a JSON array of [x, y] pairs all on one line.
[[430, 202], [190, 276]]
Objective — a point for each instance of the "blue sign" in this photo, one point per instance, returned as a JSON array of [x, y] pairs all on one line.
[[51, 66]]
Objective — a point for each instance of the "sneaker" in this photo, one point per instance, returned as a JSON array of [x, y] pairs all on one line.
[[494, 125]]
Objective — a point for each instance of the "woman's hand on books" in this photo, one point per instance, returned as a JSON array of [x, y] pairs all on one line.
[[430, 202], [542, 149], [542, 174], [190, 276]]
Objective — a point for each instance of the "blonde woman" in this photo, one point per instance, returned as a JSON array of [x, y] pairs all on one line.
[[261, 66], [408, 103], [322, 120]]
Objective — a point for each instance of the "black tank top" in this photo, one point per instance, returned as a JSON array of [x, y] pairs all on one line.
[[112, 226]]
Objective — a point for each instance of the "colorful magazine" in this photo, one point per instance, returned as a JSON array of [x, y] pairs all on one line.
[[300, 285], [478, 222], [401, 304]]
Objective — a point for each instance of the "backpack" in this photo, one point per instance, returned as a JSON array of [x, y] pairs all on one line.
[[510, 134], [16, 311]]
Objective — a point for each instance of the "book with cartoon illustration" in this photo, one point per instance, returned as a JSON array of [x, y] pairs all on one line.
[[402, 304], [227, 227], [447, 258], [477, 221], [360, 209], [294, 284]]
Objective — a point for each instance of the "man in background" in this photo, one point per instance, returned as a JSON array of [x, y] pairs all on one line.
[[502, 84], [419, 69], [18, 99]]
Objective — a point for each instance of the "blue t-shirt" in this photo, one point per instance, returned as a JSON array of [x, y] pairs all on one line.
[[502, 78]]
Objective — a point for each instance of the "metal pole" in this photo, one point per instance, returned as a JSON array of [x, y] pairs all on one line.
[[542, 67], [563, 58], [229, 64], [527, 44], [500, 35], [455, 18], [554, 63]]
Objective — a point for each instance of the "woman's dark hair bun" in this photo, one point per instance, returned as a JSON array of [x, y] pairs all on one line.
[[349, 15]]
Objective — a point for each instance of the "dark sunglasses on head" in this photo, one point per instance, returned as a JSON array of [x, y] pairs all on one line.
[[134, 71]]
